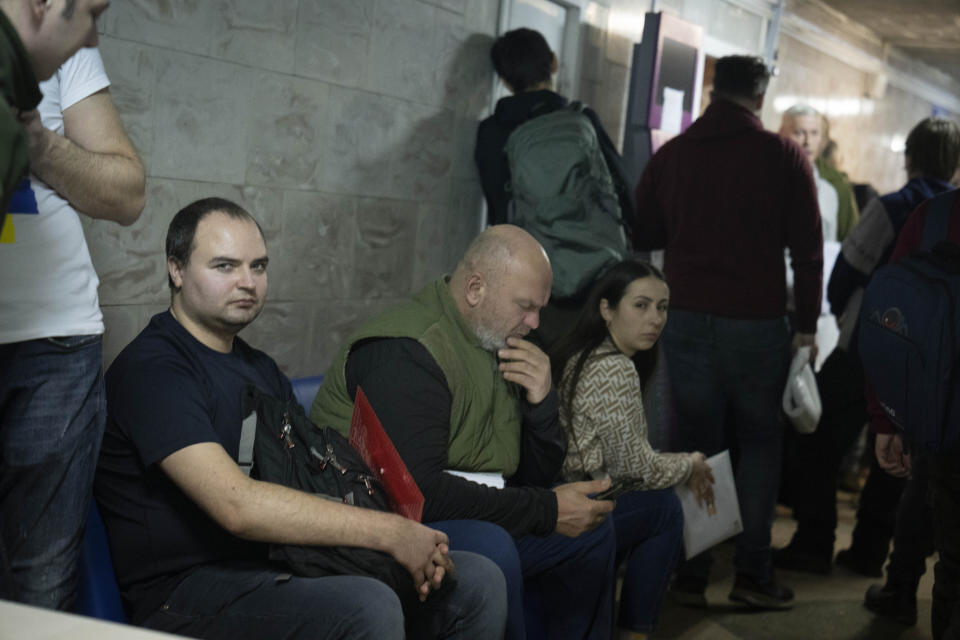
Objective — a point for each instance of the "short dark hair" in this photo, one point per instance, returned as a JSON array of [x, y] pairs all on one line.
[[522, 58], [740, 77], [68, 8], [933, 148], [183, 227]]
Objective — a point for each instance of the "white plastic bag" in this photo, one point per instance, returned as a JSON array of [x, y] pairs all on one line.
[[801, 399]]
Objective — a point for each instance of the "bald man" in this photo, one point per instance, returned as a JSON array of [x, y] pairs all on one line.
[[458, 387]]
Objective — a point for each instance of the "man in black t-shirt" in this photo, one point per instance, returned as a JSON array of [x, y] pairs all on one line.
[[188, 530]]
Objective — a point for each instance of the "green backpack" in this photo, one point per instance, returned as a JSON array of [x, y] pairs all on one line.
[[562, 193]]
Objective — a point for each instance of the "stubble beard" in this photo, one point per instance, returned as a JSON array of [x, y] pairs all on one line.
[[236, 322], [488, 339]]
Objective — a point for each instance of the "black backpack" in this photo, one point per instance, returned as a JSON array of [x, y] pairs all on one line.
[[279, 444], [910, 335]]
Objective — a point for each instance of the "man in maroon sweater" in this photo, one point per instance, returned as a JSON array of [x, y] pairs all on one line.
[[724, 199]]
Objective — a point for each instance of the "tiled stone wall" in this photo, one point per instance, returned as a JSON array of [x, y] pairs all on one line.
[[347, 127]]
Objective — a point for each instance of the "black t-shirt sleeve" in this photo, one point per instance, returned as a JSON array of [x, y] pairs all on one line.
[[409, 394], [161, 408]]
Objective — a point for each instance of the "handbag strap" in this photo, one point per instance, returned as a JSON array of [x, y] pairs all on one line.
[[248, 432]]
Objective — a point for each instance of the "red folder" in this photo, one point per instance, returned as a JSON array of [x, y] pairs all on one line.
[[368, 437]]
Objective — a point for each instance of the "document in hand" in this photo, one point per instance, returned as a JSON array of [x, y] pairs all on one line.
[[703, 529], [372, 442]]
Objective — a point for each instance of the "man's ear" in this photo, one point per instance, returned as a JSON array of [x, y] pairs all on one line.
[[474, 289], [554, 64], [175, 269]]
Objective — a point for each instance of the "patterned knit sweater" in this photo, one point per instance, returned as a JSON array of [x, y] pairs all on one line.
[[607, 432]]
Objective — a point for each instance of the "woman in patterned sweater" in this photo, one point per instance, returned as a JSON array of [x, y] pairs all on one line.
[[602, 365]]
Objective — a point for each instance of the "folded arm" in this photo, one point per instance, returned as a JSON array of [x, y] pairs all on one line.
[[93, 165]]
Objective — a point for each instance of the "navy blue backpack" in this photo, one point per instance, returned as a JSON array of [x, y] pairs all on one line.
[[910, 335]]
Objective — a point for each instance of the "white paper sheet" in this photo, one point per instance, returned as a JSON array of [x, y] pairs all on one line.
[[700, 530], [494, 480], [672, 117]]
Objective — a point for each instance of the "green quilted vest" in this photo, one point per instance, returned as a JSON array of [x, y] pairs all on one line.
[[485, 411]]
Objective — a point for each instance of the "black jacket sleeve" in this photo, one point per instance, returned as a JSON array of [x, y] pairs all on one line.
[[409, 394], [844, 280], [491, 161], [543, 445]]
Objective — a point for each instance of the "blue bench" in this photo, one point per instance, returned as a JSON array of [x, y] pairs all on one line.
[[305, 389], [97, 593]]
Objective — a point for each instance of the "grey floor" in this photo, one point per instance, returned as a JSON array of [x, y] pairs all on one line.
[[828, 607]]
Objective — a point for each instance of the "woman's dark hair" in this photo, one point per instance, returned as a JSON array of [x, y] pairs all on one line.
[[590, 330]]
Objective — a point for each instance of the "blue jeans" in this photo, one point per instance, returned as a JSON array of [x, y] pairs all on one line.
[[492, 541], [649, 526], [248, 600], [52, 416], [727, 377], [557, 587]]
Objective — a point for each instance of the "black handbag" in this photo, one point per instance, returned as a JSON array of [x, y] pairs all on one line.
[[290, 450]]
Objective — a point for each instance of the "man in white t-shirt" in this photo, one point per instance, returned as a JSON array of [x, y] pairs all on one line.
[[52, 408]]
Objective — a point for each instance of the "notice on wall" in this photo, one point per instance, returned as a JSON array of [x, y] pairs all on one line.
[[670, 121]]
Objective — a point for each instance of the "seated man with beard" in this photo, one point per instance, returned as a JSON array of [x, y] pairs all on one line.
[[457, 386]]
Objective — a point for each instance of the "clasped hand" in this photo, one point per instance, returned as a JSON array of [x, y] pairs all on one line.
[[425, 553]]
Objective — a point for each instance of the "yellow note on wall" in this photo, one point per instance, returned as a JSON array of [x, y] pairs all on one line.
[[6, 233]]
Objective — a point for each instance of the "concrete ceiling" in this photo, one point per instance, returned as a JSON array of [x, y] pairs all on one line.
[[925, 29]]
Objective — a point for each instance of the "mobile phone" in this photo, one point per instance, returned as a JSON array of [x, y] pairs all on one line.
[[619, 488]]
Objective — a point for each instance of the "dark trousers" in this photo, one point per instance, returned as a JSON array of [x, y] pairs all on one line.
[[876, 515], [557, 587], [238, 601], [913, 539], [945, 483], [813, 460], [732, 371], [649, 527]]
